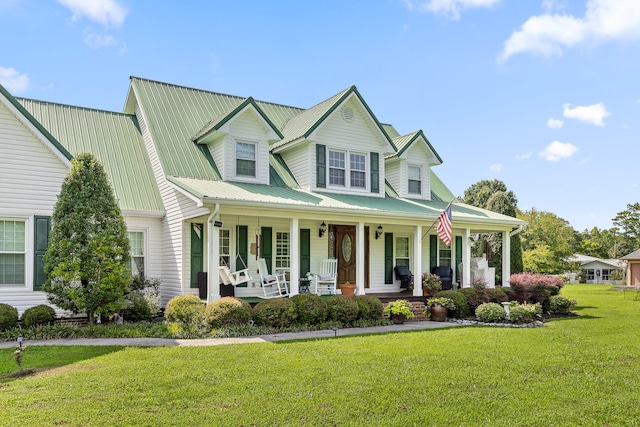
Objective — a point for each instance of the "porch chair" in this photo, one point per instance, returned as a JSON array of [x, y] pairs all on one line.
[[273, 285], [404, 275], [325, 281], [446, 276]]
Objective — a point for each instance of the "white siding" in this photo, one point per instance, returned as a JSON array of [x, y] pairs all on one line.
[[152, 228], [393, 174], [247, 127], [301, 161], [416, 155]]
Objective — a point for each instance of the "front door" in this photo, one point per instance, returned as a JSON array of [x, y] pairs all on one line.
[[344, 250]]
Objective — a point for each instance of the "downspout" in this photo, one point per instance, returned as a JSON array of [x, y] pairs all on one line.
[[516, 231], [210, 264]]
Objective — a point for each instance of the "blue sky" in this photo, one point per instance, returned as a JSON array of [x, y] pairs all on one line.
[[543, 95]]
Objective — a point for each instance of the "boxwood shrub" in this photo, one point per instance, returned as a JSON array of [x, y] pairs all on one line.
[[186, 311], [459, 299], [275, 312], [38, 315], [227, 311], [559, 304], [490, 312], [342, 309], [8, 317], [524, 313], [369, 307], [311, 308]]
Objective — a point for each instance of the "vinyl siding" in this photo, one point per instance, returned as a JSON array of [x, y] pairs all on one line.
[[393, 174], [152, 227], [247, 128], [416, 155], [301, 161]]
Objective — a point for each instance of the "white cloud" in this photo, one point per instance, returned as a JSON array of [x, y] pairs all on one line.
[[558, 150], [524, 156], [548, 34], [97, 41], [106, 12], [496, 167], [13, 81], [554, 123], [594, 113], [450, 8]]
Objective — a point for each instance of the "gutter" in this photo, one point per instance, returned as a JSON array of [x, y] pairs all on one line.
[[516, 231]]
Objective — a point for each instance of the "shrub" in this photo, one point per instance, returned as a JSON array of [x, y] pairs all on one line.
[[524, 313], [38, 315], [311, 309], [399, 307], [475, 296], [227, 311], [490, 312], [369, 307], [141, 302], [342, 308], [462, 309], [559, 304], [8, 317], [276, 312], [497, 295], [535, 288], [187, 312]]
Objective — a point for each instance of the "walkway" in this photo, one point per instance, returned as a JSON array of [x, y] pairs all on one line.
[[153, 342]]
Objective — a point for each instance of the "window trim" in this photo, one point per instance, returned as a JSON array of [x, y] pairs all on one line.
[[145, 246], [28, 249], [256, 155], [347, 170], [229, 246], [409, 248], [420, 181], [277, 257]]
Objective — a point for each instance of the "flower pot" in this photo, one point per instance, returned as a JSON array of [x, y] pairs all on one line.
[[398, 319], [348, 290], [426, 292], [438, 313]]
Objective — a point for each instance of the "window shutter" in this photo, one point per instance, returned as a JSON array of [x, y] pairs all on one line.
[[433, 251], [388, 258], [197, 252], [458, 255], [305, 251], [266, 247], [42, 227], [242, 248], [321, 166], [375, 173]]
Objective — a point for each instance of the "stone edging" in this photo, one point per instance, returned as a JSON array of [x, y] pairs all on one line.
[[535, 324]]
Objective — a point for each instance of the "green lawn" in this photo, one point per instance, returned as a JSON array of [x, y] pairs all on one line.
[[576, 371]]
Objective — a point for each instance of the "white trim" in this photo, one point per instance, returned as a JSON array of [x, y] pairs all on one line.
[[28, 254], [348, 188], [145, 247], [256, 157]]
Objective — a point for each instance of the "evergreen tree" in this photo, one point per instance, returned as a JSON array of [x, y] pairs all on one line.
[[86, 262]]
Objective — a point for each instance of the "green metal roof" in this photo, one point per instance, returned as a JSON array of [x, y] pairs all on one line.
[[114, 138], [439, 189], [405, 141]]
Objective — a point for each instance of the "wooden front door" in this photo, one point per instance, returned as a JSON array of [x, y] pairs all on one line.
[[344, 250]]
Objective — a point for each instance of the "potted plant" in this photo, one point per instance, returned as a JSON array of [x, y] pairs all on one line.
[[399, 311], [438, 308], [347, 289], [430, 284]]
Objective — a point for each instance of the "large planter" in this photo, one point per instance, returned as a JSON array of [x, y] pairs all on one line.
[[348, 290], [438, 313], [398, 319]]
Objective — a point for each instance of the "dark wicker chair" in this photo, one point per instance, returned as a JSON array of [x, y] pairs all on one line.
[[446, 276], [404, 275]]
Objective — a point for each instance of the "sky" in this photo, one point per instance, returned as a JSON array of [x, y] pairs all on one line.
[[543, 95]]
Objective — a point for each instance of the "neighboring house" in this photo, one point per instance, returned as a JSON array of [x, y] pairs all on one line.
[[597, 270], [206, 179], [633, 268]]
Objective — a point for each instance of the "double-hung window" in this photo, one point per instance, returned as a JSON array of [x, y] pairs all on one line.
[[12, 252], [246, 159], [225, 247], [348, 174], [415, 180], [402, 252], [358, 170], [136, 242], [337, 168], [282, 250]]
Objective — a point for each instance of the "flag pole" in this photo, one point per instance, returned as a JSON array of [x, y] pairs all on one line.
[[437, 218]]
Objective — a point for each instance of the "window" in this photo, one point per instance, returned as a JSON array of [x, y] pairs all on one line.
[[282, 249], [590, 274], [606, 273], [336, 168], [355, 176], [12, 252], [136, 241], [245, 159], [444, 253], [415, 180], [225, 248], [402, 251]]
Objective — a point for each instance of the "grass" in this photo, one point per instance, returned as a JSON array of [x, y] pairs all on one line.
[[575, 371]]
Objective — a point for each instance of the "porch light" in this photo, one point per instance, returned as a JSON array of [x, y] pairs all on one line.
[[379, 232], [323, 229]]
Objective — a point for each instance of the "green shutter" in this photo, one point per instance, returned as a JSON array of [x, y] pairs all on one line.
[[305, 251], [197, 252], [321, 166], [375, 173], [388, 258], [458, 255], [242, 248], [42, 227], [266, 247], [433, 251]]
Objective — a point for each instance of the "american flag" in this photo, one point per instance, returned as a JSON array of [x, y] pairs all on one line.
[[444, 226]]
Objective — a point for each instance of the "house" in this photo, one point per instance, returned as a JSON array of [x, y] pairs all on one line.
[[633, 268], [206, 179], [597, 270]]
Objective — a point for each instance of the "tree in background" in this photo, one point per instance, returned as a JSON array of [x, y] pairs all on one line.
[[86, 262], [494, 196], [547, 243], [629, 222], [601, 243]]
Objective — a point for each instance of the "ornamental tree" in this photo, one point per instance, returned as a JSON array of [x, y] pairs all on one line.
[[86, 262]]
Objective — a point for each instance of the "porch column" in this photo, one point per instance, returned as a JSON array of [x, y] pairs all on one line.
[[360, 259], [506, 258], [417, 261], [466, 259], [294, 256], [213, 262]]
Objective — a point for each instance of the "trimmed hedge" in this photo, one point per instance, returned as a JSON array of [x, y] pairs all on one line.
[[463, 309], [311, 308], [38, 315], [524, 313], [187, 311], [559, 304], [8, 317], [275, 312], [342, 309], [369, 307], [490, 312], [227, 311]]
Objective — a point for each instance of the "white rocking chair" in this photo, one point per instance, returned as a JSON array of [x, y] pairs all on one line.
[[273, 285], [326, 280], [234, 278]]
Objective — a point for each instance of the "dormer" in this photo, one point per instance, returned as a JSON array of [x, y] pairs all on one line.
[[337, 146], [409, 169], [239, 143]]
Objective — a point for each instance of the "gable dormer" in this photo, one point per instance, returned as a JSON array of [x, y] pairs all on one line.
[[409, 169], [239, 143], [337, 146]]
